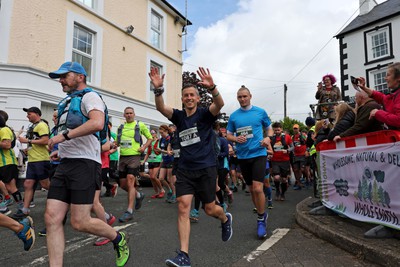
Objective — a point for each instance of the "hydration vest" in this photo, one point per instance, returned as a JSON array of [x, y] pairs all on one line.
[[283, 141], [76, 118]]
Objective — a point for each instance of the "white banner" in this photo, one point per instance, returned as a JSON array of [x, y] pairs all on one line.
[[363, 183]]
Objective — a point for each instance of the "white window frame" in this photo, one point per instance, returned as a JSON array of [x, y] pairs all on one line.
[[75, 19], [96, 5], [88, 3], [86, 54], [153, 9], [379, 83], [157, 61], [370, 44]]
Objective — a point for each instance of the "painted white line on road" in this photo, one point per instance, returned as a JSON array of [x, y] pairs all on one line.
[[277, 234], [76, 245]]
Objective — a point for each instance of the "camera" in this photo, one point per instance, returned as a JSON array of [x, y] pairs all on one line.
[[354, 80]]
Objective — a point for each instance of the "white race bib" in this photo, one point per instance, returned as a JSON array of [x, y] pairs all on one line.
[[245, 131], [189, 137]]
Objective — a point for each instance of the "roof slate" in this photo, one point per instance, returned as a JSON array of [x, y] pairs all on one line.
[[380, 12]]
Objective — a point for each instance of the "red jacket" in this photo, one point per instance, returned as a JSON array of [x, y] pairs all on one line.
[[390, 115]]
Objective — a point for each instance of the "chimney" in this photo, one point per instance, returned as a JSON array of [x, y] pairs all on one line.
[[366, 6]]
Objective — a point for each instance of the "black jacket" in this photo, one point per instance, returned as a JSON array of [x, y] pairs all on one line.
[[341, 126]]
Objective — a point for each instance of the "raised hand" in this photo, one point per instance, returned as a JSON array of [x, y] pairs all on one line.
[[206, 78], [155, 78]]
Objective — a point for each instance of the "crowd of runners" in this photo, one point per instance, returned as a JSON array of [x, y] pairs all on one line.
[[193, 162]]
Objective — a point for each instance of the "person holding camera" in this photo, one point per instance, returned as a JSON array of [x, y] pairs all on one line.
[[390, 114]]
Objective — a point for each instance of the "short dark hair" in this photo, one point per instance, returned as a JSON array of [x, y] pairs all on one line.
[[4, 115], [277, 125]]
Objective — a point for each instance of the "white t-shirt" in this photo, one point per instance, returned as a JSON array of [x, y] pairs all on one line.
[[86, 147]]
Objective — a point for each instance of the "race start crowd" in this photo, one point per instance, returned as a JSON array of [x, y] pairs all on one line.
[[191, 159]]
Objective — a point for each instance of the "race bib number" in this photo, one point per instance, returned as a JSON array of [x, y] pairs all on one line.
[[189, 137], [126, 143], [278, 147], [177, 153], [245, 131]]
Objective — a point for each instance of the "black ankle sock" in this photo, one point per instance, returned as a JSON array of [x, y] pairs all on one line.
[[260, 216], [17, 196], [117, 239]]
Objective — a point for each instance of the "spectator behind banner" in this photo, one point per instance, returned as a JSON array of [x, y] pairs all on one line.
[[345, 118], [327, 93], [363, 122], [390, 114], [322, 129]]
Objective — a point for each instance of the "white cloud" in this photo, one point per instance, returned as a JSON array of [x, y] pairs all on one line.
[[271, 41]]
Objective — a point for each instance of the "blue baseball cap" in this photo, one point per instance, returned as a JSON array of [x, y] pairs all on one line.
[[68, 67]]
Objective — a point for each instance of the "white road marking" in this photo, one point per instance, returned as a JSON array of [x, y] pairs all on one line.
[[74, 244], [277, 234]]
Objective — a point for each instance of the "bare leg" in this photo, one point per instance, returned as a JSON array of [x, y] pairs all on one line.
[[54, 216], [184, 203]]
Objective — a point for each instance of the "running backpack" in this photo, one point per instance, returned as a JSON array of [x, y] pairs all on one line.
[[75, 117], [137, 136]]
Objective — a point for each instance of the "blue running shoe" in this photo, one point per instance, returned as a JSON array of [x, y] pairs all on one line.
[[139, 201], [262, 227], [181, 260], [227, 230], [27, 235], [126, 217], [194, 215], [8, 202]]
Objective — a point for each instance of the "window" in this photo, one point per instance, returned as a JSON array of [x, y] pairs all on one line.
[[82, 49], [380, 82], [378, 44], [89, 3], [160, 71], [156, 29]]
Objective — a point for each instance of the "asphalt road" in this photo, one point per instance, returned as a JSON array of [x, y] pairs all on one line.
[[153, 234]]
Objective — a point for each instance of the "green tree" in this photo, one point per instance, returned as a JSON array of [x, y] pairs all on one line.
[[287, 124]]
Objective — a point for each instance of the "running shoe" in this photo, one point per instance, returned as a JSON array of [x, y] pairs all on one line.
[[230, 197], [262, 227], [32, 204], [194, 215], [169, 195], [154, 196], [111, 220], [227, 230], [126, 217], [161, 195], [19, 215], [5, 211], [101, 241], [139, 201], [254, 210], [235, 189], [114, 190], [8, 202], [172, 199], [27, 235], [43, 232], [181, 260], [296, 187], [270, 206], [122, 250]]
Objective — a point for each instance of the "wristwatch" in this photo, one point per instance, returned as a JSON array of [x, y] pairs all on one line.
[[65, 134]]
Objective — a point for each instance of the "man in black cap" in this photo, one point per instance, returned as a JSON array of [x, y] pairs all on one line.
[[73, 186], [36, 139]]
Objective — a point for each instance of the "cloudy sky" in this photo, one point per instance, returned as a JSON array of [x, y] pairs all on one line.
[[265, 44]]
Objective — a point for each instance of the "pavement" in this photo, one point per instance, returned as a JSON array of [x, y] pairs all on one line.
[[326, 240], [348, 235]]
